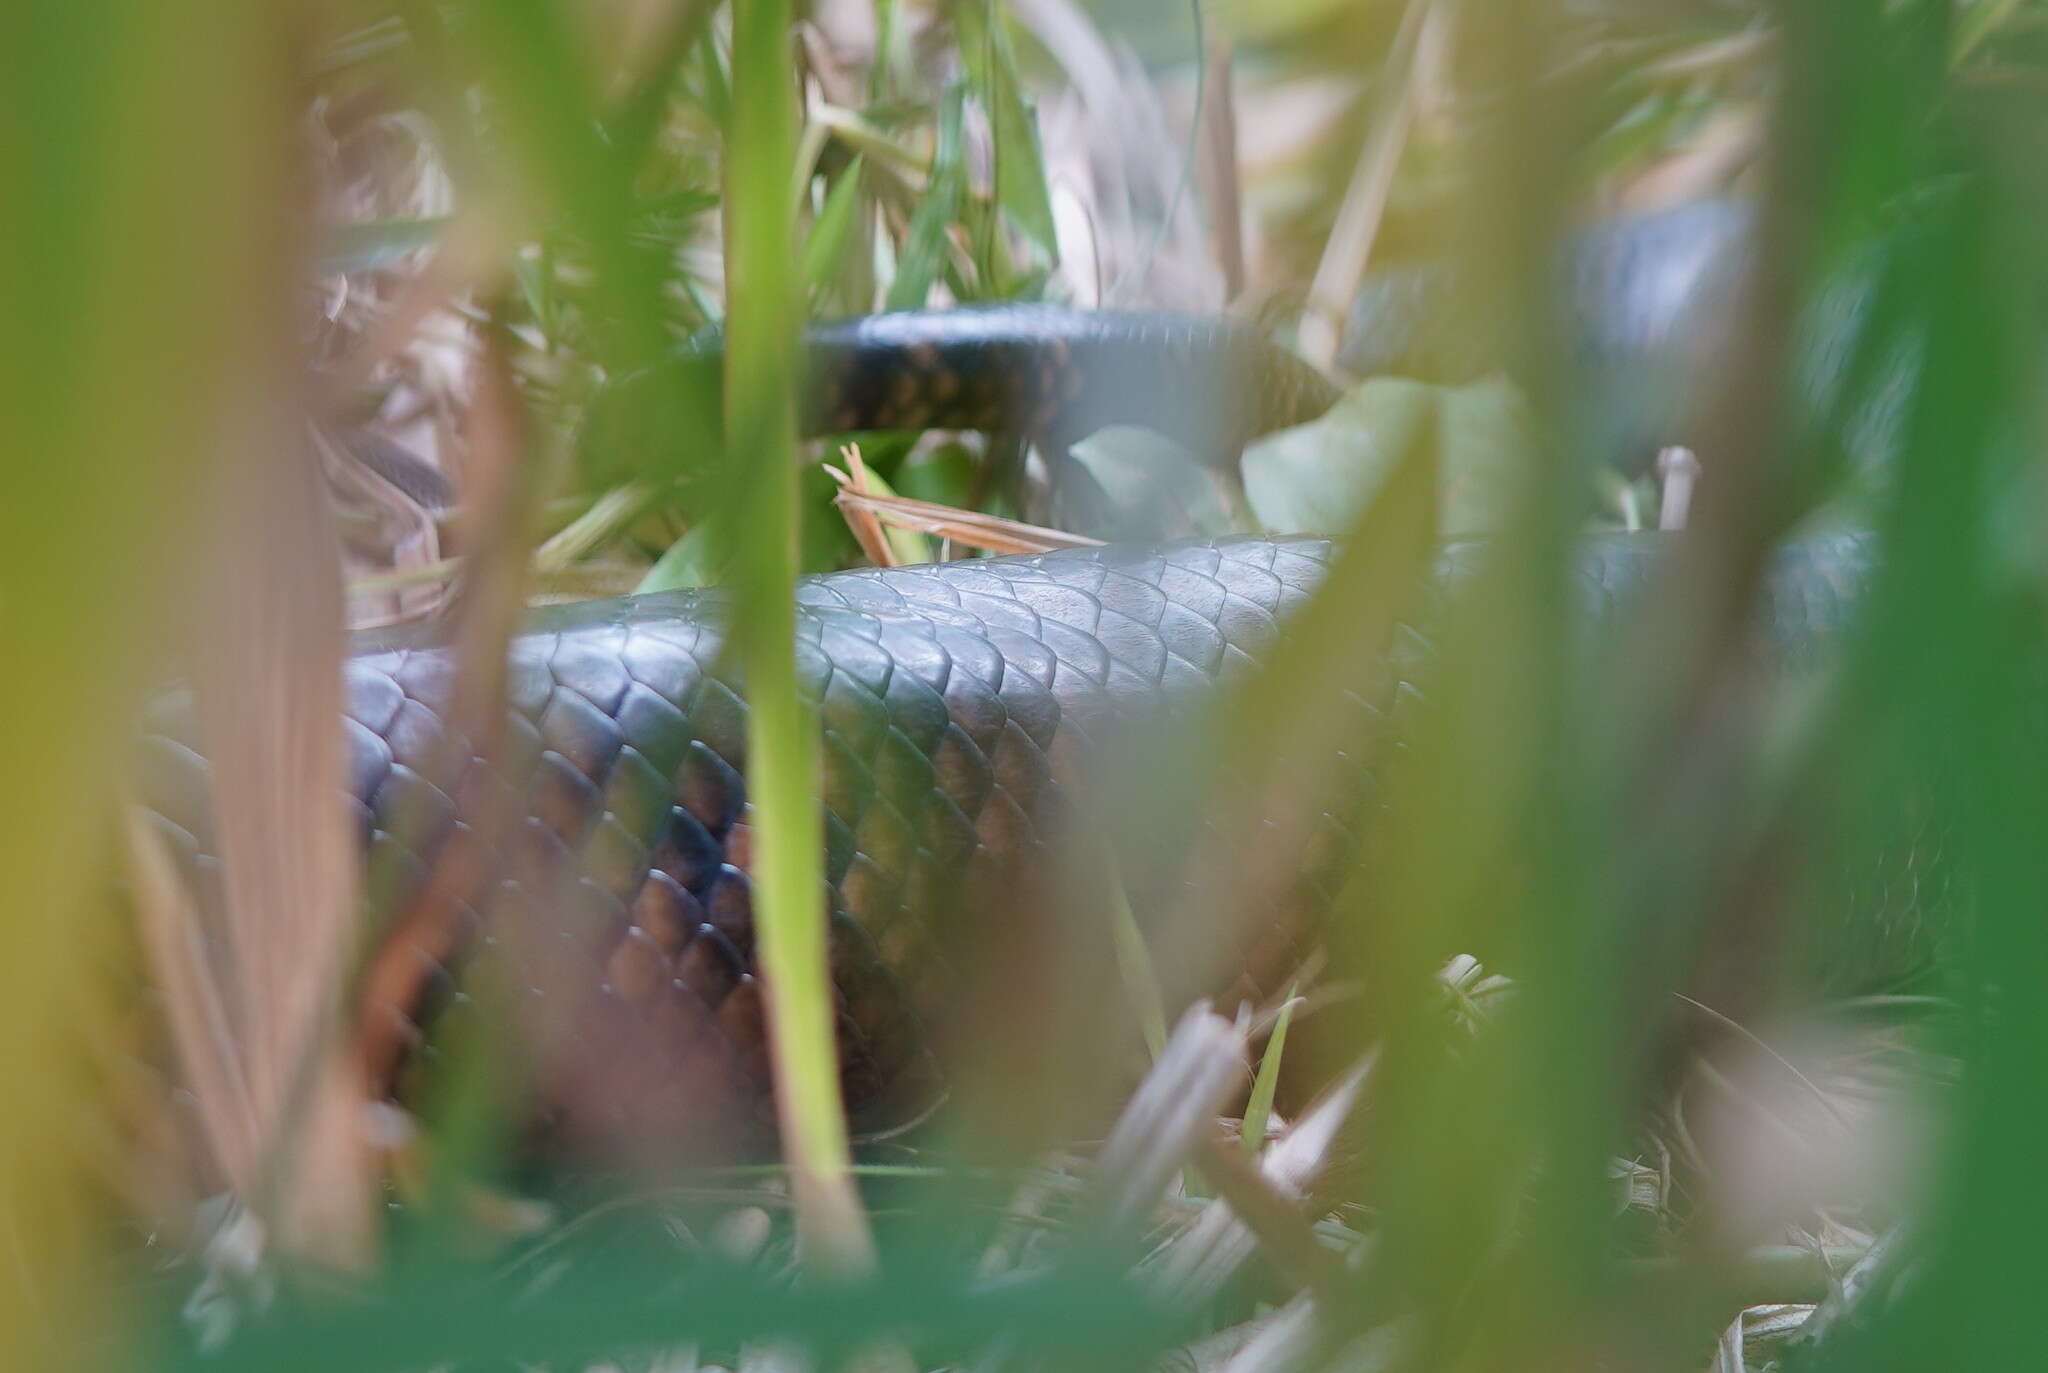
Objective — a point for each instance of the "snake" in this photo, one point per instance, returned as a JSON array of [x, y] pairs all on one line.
[[963, 705]]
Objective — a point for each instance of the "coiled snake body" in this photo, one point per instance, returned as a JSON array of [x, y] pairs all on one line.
[[960, 702]]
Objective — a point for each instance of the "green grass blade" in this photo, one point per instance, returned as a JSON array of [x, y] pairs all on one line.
[[1019, 166], [833, 234], [1258, 1109], [926, 247], [137, 136], [764, 316]]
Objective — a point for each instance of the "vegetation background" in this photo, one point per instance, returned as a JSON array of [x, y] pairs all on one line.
[[242, 230]]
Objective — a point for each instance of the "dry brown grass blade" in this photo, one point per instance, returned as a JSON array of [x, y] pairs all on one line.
[[269, 694], [199, 1024], [861, 519], [1222, 186], [990, 533], [405, 537]]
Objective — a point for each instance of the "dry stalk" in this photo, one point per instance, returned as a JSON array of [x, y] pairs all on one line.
[[861, 519], [1349, 249], [252, 982], [990, 533]]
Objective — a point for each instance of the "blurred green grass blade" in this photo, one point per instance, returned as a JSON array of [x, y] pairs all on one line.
[[1490, 1154], [465, 1101], [717, 82], [1258, 1110], [1139, 978], [833, 234], [763, 320], [137, 135], [1946, 686], [530, 61], [1647, 125], [882, 76], [926, 246], [1259, 760], [635, 129], [536, 278], [1978, 20], [1020, 184]]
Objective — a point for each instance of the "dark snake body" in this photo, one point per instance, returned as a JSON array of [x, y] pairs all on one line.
[[960, 704]]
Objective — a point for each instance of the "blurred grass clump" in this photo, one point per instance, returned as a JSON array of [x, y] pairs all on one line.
[[467, 229]]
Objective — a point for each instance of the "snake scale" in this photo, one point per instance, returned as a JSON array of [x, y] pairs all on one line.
[[961, 704]]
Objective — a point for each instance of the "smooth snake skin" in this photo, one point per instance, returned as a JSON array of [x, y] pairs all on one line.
[[961, 703]]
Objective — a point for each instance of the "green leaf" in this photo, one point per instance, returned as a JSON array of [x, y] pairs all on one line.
[[1258, 1108], [687, 563], [943, 475], [1315, 477], [1158, 489]]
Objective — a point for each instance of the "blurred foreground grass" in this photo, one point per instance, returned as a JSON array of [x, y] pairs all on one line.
[[542, 198]]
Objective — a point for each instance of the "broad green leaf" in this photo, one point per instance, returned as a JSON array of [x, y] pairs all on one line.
[[1314, 478], [687, 563], [1157, 489], [943, 475]]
